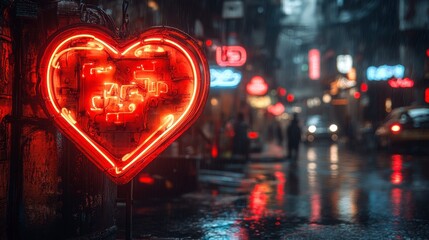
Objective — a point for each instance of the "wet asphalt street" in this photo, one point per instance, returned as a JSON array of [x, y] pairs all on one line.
[[330, 192]]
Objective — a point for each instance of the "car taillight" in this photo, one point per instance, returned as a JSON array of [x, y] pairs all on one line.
[[146, 179], [215, 151], [252, 135], [395, 128]]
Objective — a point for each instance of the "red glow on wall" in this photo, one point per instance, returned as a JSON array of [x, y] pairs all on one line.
[[257, 86], [233, 56], [123, 103], [290, 97], [364, 87], [276, 109], [401, 83], [314, 64]]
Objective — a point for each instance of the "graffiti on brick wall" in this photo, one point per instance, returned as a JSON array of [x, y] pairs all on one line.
[[41, 178], [6, 76], [6, 64], [4, 169], [4, 131]]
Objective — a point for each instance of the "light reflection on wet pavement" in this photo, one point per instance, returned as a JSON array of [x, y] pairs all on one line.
[[329, 193]]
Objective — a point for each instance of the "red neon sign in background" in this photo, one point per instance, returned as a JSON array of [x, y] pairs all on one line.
[[123, 103], [314, 64], [400, 83], [257, 86], [276, 109], [233, 56]]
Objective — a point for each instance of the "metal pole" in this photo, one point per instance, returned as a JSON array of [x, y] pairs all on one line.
[[129, 212], [14, 208]]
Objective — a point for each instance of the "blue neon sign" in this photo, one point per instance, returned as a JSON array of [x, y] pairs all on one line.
[[224, 77], [385, 72]]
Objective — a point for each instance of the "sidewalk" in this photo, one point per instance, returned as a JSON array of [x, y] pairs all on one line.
[[270, 150]]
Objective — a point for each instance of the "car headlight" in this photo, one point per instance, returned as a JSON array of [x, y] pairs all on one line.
[[312, 129], [333, 128]]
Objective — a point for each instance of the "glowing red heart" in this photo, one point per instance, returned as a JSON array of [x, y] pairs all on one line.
[[123, 103]]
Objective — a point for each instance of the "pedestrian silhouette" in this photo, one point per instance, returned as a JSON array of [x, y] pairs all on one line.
[[279, 133], [293, 133], [240, 141]]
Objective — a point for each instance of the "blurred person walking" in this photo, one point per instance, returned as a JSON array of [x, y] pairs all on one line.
[[293, 133], [240, 141], [278, 133]]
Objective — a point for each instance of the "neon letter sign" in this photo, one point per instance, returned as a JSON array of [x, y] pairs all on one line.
[[385, 72], [224, 77], [314, 64], [123, 103], [401, 83], [233, 56]]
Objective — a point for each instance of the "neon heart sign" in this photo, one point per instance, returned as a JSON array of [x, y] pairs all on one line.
[[123, 103]]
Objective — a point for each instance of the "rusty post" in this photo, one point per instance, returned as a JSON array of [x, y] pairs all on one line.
[[129, 212], [15, 204]]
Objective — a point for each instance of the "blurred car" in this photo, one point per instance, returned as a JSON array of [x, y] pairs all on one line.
[[318, 127], [404, 126]]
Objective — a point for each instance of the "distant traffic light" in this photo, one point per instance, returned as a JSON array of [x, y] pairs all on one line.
[[290, 97], [364, 87], [209, 42], [281, 91], [356, 95]]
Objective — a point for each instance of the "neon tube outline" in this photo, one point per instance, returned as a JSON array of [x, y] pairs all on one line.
[[70, 121]]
